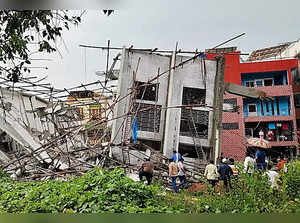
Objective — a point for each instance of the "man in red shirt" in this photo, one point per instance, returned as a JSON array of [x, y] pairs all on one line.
[[281, 163]]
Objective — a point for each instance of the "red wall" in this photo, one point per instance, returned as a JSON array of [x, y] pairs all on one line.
[[233, 67], [233, 141]]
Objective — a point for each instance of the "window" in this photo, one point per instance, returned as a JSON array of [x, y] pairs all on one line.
[[297, 100], [249, 83], [295, 75], [267, 107], [232, 101], [148, 119], [79, 113], [193, 96], [259, 83], [268, 82], [94, 112], [277, 106], [272, 107], [298, 123], [230, 126], [200, 119], [262, 108], [252, 108], [146, 91]]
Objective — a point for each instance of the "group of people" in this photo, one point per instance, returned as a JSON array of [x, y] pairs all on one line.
[[176, 170], [261, 163], [223, 172]]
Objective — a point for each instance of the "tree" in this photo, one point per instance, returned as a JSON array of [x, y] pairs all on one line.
[[22, 31]]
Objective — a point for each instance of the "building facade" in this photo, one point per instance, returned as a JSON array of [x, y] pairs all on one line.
[[163, 120], [275, 116], [89, 107]]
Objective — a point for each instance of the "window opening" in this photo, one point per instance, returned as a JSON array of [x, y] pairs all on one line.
[[268, 82], [230, 126], [193, 96], [277, 106], [297, 100], [146, 91], [259, 83], [252, 108], [249, 83], [272, 107]]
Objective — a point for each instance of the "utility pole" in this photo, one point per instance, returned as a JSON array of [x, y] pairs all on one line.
[[216, 138]]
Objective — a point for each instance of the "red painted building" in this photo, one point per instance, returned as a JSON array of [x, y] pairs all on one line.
[[275, 117]]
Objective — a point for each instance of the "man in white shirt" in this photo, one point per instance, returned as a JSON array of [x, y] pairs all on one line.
[[181, 173], [249, 163], [211, 173], [272, 175]]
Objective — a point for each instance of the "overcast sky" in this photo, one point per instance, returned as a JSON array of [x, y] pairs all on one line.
[[149, 24]]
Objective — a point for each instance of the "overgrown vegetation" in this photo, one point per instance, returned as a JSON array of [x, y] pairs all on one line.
[[102, 191]]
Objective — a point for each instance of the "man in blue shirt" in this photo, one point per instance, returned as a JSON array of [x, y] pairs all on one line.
[[176, 156], [260, 159], [225, 172]]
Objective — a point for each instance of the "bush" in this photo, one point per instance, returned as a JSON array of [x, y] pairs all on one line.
[[101, 191], [291, 180], [96, 192]]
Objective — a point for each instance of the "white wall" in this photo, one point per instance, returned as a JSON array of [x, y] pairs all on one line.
[[188, 75]]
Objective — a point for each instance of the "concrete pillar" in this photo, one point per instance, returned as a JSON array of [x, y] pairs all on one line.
[[172, 121], [123, 89], [218, 104]]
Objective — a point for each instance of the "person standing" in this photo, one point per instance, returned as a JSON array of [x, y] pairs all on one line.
[[181, 173], [146, 170], [176, 156], [281, 163], [272, 175], [173, 173], [261, 134], [260, 158], [211, 173], [249, 164], [233, 167], [225, 172]]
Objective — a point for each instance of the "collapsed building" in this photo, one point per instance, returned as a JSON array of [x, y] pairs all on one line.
[[176, 101], [40, 138]]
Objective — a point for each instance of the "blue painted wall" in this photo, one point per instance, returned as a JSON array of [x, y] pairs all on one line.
[[283, 106]]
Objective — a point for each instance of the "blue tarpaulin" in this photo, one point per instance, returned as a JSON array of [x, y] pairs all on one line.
[[134, 130], [271, 125]]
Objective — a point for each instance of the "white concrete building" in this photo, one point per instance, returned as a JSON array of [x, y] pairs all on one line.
[[167, 129]]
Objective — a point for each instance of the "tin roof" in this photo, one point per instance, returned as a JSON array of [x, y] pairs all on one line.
[[269, 52]]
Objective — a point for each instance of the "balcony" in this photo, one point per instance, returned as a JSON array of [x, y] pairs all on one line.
[[277, 133], [276, 90], [267, 110], [268, 118]]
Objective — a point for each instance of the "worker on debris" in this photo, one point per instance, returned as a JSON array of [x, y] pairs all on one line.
[[173, 173], [146, 170], [176, 156], [181, 173], [211, 173]]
